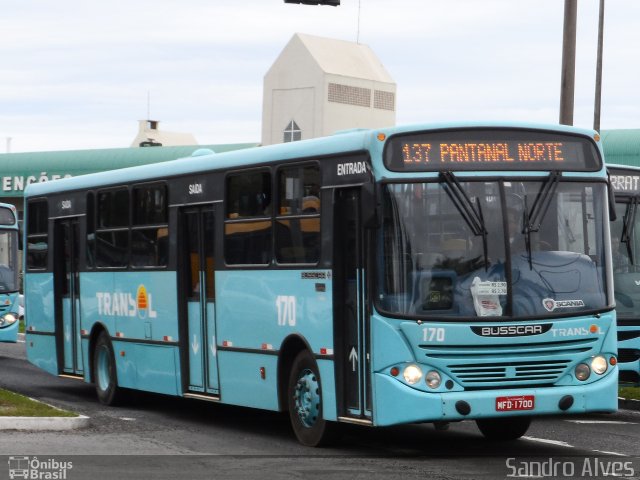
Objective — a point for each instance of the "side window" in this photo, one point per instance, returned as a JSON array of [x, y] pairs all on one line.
[[112, 228], [297, 227], [247, 233], [37, 235], [149, 229], [91, 230]]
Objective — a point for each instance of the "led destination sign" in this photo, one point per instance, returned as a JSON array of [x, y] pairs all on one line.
[[491, 150], [625, 181]]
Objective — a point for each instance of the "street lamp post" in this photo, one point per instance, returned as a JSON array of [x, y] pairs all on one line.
[[568, 80], [598, 96]]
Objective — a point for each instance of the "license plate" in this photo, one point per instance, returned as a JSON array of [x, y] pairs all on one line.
[[510, 404]]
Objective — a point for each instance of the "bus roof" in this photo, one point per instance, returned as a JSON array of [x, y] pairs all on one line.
[[341, 142], [622, 146]]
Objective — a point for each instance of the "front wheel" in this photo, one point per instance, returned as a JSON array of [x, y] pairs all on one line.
[[304, 397], [503, 429], [104, 372]]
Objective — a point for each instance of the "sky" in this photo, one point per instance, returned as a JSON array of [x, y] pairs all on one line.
[[79, 74]]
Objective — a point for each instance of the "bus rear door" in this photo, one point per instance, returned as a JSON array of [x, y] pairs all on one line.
[[67, 295], [197, 297]]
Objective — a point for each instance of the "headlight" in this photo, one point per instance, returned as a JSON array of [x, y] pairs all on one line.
[[433, 379], [599, 364], [582, 371], [412, 374], [8, 319]]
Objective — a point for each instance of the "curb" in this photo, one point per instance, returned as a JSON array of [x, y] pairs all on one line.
[[43, 423], [628, 404], [21, 337]]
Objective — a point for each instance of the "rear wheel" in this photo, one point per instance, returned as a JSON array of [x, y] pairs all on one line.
[[304, 397], [104, 372], [507, 428]]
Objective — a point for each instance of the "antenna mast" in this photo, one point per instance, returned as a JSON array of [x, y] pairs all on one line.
[[358, 32]]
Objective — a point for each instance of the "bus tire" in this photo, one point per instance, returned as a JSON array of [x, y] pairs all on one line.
[[105, 377], [504, 429], [304, 399]]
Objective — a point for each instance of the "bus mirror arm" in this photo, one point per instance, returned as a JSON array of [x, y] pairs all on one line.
[[612, 199]]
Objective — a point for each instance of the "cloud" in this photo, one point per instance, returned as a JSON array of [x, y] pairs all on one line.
[[77, 73]]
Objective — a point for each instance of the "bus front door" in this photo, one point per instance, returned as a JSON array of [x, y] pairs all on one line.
[[197, 294], [351, 328], [67, 295]]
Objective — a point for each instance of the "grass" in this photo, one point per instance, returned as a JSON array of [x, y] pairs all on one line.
[[630, 393], [15, 405], [21, 326]]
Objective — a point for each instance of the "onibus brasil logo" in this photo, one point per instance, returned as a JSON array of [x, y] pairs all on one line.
[[34, 468], [126, 304]]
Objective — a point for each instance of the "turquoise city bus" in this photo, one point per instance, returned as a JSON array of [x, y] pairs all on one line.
[[376, 277], [9, 270], [625, 247]]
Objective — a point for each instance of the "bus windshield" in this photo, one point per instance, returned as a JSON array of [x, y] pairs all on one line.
[[625, 249], [8, 261], [462, 248]]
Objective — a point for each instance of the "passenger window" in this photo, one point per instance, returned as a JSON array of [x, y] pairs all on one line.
[[37, 235], [112, 229], [298, 224], [249, 195], [150, 230], [248, 236], [91, 231]]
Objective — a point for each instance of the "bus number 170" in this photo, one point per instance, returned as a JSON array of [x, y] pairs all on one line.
[[432, 334], [286, 305]]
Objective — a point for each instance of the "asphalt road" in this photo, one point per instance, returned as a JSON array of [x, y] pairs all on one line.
[[162, 437]]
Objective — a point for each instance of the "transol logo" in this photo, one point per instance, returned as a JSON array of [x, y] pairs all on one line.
[[124, 304]]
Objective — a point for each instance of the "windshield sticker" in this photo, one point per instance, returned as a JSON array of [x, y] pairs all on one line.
[[550, 304], [490, 288], [485, 301]]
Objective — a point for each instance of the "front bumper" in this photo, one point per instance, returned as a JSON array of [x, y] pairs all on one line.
[[398, 403]]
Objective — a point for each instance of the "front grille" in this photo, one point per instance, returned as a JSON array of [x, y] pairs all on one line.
[[628, 376], [626, 355], [628, 322], [529, 372], [625, 335], [490, 366]]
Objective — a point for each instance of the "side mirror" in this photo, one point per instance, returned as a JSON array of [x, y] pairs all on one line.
[[612, 200]]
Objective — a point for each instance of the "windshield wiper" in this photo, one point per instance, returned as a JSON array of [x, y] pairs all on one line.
[[629, 227], [533, 218], [464, 205]]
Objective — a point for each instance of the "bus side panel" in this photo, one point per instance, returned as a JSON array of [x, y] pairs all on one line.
[[139, 307], [39, 307], [134, 305], [255, 312], [240, 378], [152, 368], [41, 351], [40, 318], [329, 403]]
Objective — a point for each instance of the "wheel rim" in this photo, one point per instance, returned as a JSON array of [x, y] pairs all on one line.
[[103, 369], [306, 397]]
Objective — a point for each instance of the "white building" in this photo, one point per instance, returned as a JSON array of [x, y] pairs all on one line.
[[318, 86], [150, 135]]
